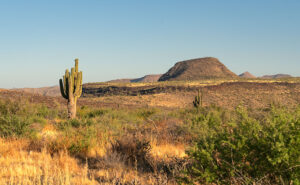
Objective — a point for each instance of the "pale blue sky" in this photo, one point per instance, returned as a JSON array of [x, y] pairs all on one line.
[[130, 38]]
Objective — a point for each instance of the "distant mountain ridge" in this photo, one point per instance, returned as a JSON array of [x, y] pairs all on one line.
[[247, 75], [45, 91], [147, 78], [276, 76], [197, 69]]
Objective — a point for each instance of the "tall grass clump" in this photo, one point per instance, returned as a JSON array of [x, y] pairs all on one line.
[[246, 150]]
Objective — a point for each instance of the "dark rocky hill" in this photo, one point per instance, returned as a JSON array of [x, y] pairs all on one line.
[[197, 69]]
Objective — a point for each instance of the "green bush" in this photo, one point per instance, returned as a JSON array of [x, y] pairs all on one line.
[[81, 141], [247, 150], [87, 112], [44, 112], [13, 126], [146, 113]]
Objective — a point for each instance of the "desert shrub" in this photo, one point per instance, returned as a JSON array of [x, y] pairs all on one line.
[[77, 142], [68, 125], [39, 120], [44, 112], [247, 150], [201, 122], [9, 107], [135, 151], [86, 112], [16, 117], [80, 140], [74, 123], [146, 113], [96, 113], [11, 125]]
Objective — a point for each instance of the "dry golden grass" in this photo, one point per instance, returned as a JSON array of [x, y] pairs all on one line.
[[115, 171], [19, 166], [48, 133], [252, 95], [167, 151], [155, 100]]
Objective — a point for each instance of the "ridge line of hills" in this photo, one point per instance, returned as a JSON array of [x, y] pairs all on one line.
[[187, 70], [146, 78]]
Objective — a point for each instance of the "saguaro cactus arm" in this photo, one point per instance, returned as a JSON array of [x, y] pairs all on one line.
[[62, 90], [78, 89]]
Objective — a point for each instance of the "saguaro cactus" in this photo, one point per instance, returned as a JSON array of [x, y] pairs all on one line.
[[71, 88], [198, 100]]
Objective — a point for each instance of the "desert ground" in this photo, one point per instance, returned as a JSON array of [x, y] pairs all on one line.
[[147, 133]]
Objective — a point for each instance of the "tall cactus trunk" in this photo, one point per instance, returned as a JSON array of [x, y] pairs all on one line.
[[71, 88], [72, 108]]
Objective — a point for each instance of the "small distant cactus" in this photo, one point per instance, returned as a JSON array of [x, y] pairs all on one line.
[[198, 102], [71, 88]]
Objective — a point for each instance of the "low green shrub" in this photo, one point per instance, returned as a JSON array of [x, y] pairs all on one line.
[[11, 125], [247, 150], [86, 112], [146, 113], [45, 112]]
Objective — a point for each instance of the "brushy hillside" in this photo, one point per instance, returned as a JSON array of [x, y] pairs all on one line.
[[197, 69], [208, 145]]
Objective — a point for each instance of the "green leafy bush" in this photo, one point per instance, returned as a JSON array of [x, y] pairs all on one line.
[[247, 150]]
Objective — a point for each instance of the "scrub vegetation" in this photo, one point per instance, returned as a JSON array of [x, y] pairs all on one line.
[[148, 145]]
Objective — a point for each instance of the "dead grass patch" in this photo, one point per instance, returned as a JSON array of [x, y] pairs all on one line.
[[19, 166]]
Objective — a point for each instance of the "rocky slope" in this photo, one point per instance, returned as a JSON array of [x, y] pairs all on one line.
[[197, 69]]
